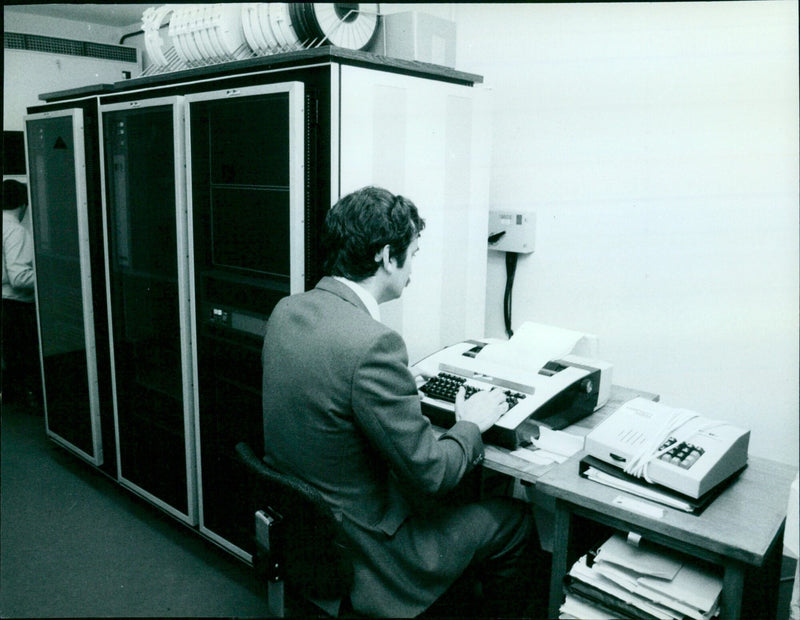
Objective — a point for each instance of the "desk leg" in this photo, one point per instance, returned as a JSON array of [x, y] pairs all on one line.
[[762, 585], [561, 531], [732, 591], [771, 577]]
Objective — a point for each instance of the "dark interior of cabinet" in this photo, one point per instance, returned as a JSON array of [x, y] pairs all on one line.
[[54, 212], [144, 292], [240, 184]]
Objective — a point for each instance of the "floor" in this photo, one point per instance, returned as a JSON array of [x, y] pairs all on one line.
[[75, 544]]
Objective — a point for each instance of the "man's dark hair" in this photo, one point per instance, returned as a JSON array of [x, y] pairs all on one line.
[[363, 222], [15, 194]]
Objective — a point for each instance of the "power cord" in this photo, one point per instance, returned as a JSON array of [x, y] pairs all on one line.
[[511, 269], [495, 237]]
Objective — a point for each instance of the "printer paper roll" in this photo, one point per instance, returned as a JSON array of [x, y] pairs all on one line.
[[532, 346]]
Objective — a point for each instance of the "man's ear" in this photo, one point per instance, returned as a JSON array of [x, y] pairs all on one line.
[[383, 257]]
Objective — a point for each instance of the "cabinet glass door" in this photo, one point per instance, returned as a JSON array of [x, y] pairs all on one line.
[[56, 164], [145, 207], [246, 194]]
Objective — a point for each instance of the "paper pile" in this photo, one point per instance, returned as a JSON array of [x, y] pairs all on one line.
[[625, 581]]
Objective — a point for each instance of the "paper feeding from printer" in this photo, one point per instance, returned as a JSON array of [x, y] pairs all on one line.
[[551, 376]]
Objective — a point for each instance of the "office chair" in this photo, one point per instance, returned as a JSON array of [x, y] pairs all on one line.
[[298, 542]]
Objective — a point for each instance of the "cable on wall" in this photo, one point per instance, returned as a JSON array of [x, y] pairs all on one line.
[[511, 270], [512, 232]]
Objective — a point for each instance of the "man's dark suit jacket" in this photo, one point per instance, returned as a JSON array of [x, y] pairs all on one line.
[[342, 412]]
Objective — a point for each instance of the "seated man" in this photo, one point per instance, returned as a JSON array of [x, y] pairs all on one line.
[[342, 412]]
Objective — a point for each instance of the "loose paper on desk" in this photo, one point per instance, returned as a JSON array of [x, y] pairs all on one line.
[[558, 442], [533, 345], [537, 457], [550, 447]]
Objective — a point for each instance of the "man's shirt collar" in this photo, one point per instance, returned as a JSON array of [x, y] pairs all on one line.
[[364, 295]]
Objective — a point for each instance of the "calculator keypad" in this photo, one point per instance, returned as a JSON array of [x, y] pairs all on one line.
[[683, 455]]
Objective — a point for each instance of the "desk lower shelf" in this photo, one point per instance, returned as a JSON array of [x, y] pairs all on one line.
[[741, 530]]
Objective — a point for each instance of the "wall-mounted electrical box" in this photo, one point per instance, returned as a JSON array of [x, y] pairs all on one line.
[[512, 231]]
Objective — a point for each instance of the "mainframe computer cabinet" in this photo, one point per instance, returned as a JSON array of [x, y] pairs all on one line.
[[270, 144], [144, 202], [63, 182], [245, 168]]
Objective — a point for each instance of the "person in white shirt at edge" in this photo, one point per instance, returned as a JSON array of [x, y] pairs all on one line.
[[21, 376]]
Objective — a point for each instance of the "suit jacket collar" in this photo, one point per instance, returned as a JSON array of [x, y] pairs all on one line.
[[341, 290]]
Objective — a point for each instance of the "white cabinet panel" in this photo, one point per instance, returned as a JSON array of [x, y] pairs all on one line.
[[428, 141]]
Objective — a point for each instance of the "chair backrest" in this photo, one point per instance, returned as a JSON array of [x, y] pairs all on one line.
[[308, 541]]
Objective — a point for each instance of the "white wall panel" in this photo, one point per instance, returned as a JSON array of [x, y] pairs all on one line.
[[427, 141]]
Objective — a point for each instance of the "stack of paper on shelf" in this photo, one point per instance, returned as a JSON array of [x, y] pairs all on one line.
[[625, 581]]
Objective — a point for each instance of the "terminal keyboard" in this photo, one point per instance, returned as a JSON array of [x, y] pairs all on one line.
[[445, 385]]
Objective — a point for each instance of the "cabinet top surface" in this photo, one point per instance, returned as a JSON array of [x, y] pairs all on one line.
[[741, 523], [297, 59]]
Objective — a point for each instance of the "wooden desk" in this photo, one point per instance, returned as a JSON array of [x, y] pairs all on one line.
[[742, 530], [501, 460]]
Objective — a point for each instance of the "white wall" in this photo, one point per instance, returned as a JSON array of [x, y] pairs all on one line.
[[658, 145], [28, 74], [16, 21]]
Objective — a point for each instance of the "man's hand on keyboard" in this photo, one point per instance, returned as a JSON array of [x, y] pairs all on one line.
[[483, 408]]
